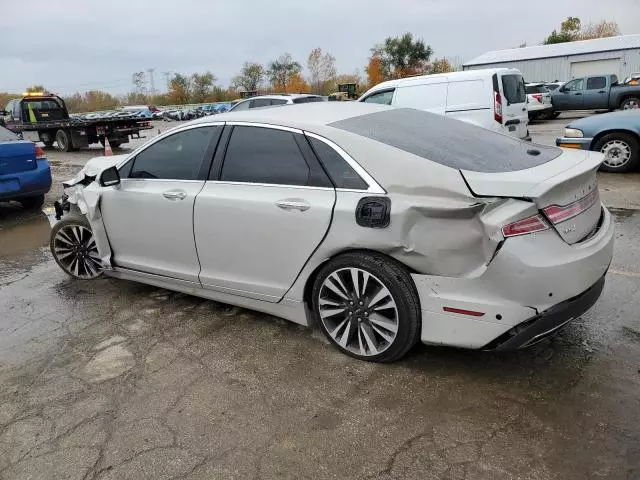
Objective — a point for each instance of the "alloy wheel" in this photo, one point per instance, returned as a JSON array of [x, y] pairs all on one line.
[[358, 311], [74, 246], [631, 105], [616, 153]]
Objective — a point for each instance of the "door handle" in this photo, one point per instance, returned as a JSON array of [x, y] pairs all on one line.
[[293, 204], [577, 93], [602, 91], [175, 195]]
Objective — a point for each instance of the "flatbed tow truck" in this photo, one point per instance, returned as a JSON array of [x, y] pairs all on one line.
[[43, 117]]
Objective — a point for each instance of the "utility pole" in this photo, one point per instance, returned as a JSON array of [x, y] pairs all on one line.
[[152, 82], [167, 77]]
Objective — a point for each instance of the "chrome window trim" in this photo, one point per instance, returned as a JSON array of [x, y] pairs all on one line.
[[374, 187], [240, 123], [280, 185]]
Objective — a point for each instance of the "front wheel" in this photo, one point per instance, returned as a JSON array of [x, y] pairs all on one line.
[[367, 306], [630, 104], [74, 247], [621, 152]]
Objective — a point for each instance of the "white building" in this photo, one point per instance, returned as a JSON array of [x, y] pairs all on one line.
[[563, 61]]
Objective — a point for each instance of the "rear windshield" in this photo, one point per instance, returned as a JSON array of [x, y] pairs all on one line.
[[513, 88], [307, 99], [6, 135], [449, 142], [536, 89]]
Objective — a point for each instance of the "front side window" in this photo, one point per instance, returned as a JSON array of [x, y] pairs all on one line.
[[383, 98], [514, 89], [308, 99], [339, 170], [260, 102], [240, 106], [575, 85], [264, 155], [176, 157], [595, 83]]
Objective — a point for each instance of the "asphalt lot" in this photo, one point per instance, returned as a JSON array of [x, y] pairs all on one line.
[[111, 379]]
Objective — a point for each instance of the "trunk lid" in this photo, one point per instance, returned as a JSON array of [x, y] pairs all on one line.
[[564, 189], [17, 156]]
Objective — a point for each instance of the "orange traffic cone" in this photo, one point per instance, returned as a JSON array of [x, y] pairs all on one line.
[[107, 148]]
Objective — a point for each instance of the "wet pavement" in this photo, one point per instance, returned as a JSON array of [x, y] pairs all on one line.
[[109, 379]]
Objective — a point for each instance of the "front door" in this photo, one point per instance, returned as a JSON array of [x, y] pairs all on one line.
[[149, 217], [570, 96], [596, 95], [258, 221]]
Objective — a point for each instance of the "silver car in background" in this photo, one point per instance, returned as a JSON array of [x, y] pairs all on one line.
[[383, 226]]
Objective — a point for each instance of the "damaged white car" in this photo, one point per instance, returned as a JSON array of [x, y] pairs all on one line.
[[383, 226]]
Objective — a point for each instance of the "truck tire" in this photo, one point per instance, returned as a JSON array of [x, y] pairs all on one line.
[[621, 151], [630, 103], [64, 141]]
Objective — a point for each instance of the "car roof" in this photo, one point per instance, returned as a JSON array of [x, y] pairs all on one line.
[[536, 84], [283, 96]]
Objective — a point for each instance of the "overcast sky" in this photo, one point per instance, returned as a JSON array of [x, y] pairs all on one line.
[[74, 45]]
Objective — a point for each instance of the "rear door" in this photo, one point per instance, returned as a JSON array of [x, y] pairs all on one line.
[[596, 94], [514, 106], [262, 213]]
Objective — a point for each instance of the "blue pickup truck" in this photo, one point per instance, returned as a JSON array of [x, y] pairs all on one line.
[[25, 175], [597, 92]]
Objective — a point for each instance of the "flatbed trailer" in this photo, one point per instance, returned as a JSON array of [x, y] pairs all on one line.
[[43, 117]]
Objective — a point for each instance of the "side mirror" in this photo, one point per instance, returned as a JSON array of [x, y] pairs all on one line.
[[562, 90], [110, 177]]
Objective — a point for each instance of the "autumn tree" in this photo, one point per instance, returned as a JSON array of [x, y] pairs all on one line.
[[281, 70], [322, 69], [602, 29], [402, 56], [375, 71], [202, 85], [297, 84], [179, 89], [440, 65], [36, 88], [249, 78], [569, 32]]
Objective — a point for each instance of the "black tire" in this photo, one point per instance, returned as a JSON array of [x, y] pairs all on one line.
[[630, 103], [396, 279], [32, 203], [555, 115], [70, 220], [64, 141], [633, 144]]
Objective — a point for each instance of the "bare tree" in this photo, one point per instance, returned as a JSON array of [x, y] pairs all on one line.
[[599, 30], [250, 77], [322, 69], [139, 82], [281, 70]]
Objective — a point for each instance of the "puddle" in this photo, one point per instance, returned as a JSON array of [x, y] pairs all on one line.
[[22, 234]]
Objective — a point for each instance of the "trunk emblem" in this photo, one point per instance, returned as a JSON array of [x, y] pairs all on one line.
[[569, 229]]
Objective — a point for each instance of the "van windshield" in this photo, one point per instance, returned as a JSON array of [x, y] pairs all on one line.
[[513, 88]]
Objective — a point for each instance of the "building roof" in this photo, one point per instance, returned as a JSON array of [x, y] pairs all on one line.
[[622, 42]]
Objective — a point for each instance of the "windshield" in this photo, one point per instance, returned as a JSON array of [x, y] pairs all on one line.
[[513, 87], [448, 142], [7, 136], [536, 89]]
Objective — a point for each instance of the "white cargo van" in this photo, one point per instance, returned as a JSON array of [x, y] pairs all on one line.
[[493, 98]]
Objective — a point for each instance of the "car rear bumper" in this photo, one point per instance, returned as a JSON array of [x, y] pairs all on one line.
[[26, 184], [531, 277], [539, 108], [575, 143]]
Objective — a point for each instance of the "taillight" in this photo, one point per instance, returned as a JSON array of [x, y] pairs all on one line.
[[497, 107], [525, 226], [538, 97], [39, 152], [557, 214]]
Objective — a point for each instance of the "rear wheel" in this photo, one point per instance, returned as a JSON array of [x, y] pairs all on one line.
[[631, 103], [32, 203], [367, 306], [64, 141], [74, 247], [621, 152]]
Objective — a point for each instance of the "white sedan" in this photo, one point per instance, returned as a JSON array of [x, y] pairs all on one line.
[[382, 226]]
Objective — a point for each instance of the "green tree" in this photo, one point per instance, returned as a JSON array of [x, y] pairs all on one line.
[[569, 32], [281, 70], [202, 85], [179, 89], [402, 56], [249, 78]]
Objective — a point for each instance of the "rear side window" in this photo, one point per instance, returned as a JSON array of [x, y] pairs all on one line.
[[383, 98], [260, 102], [447, 141], [339, 170], [595, 83], [308, 99], [278, 101], [241, 106], [176, 157], [264, 155], [536, 89], [513, 88], [7, 135]]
